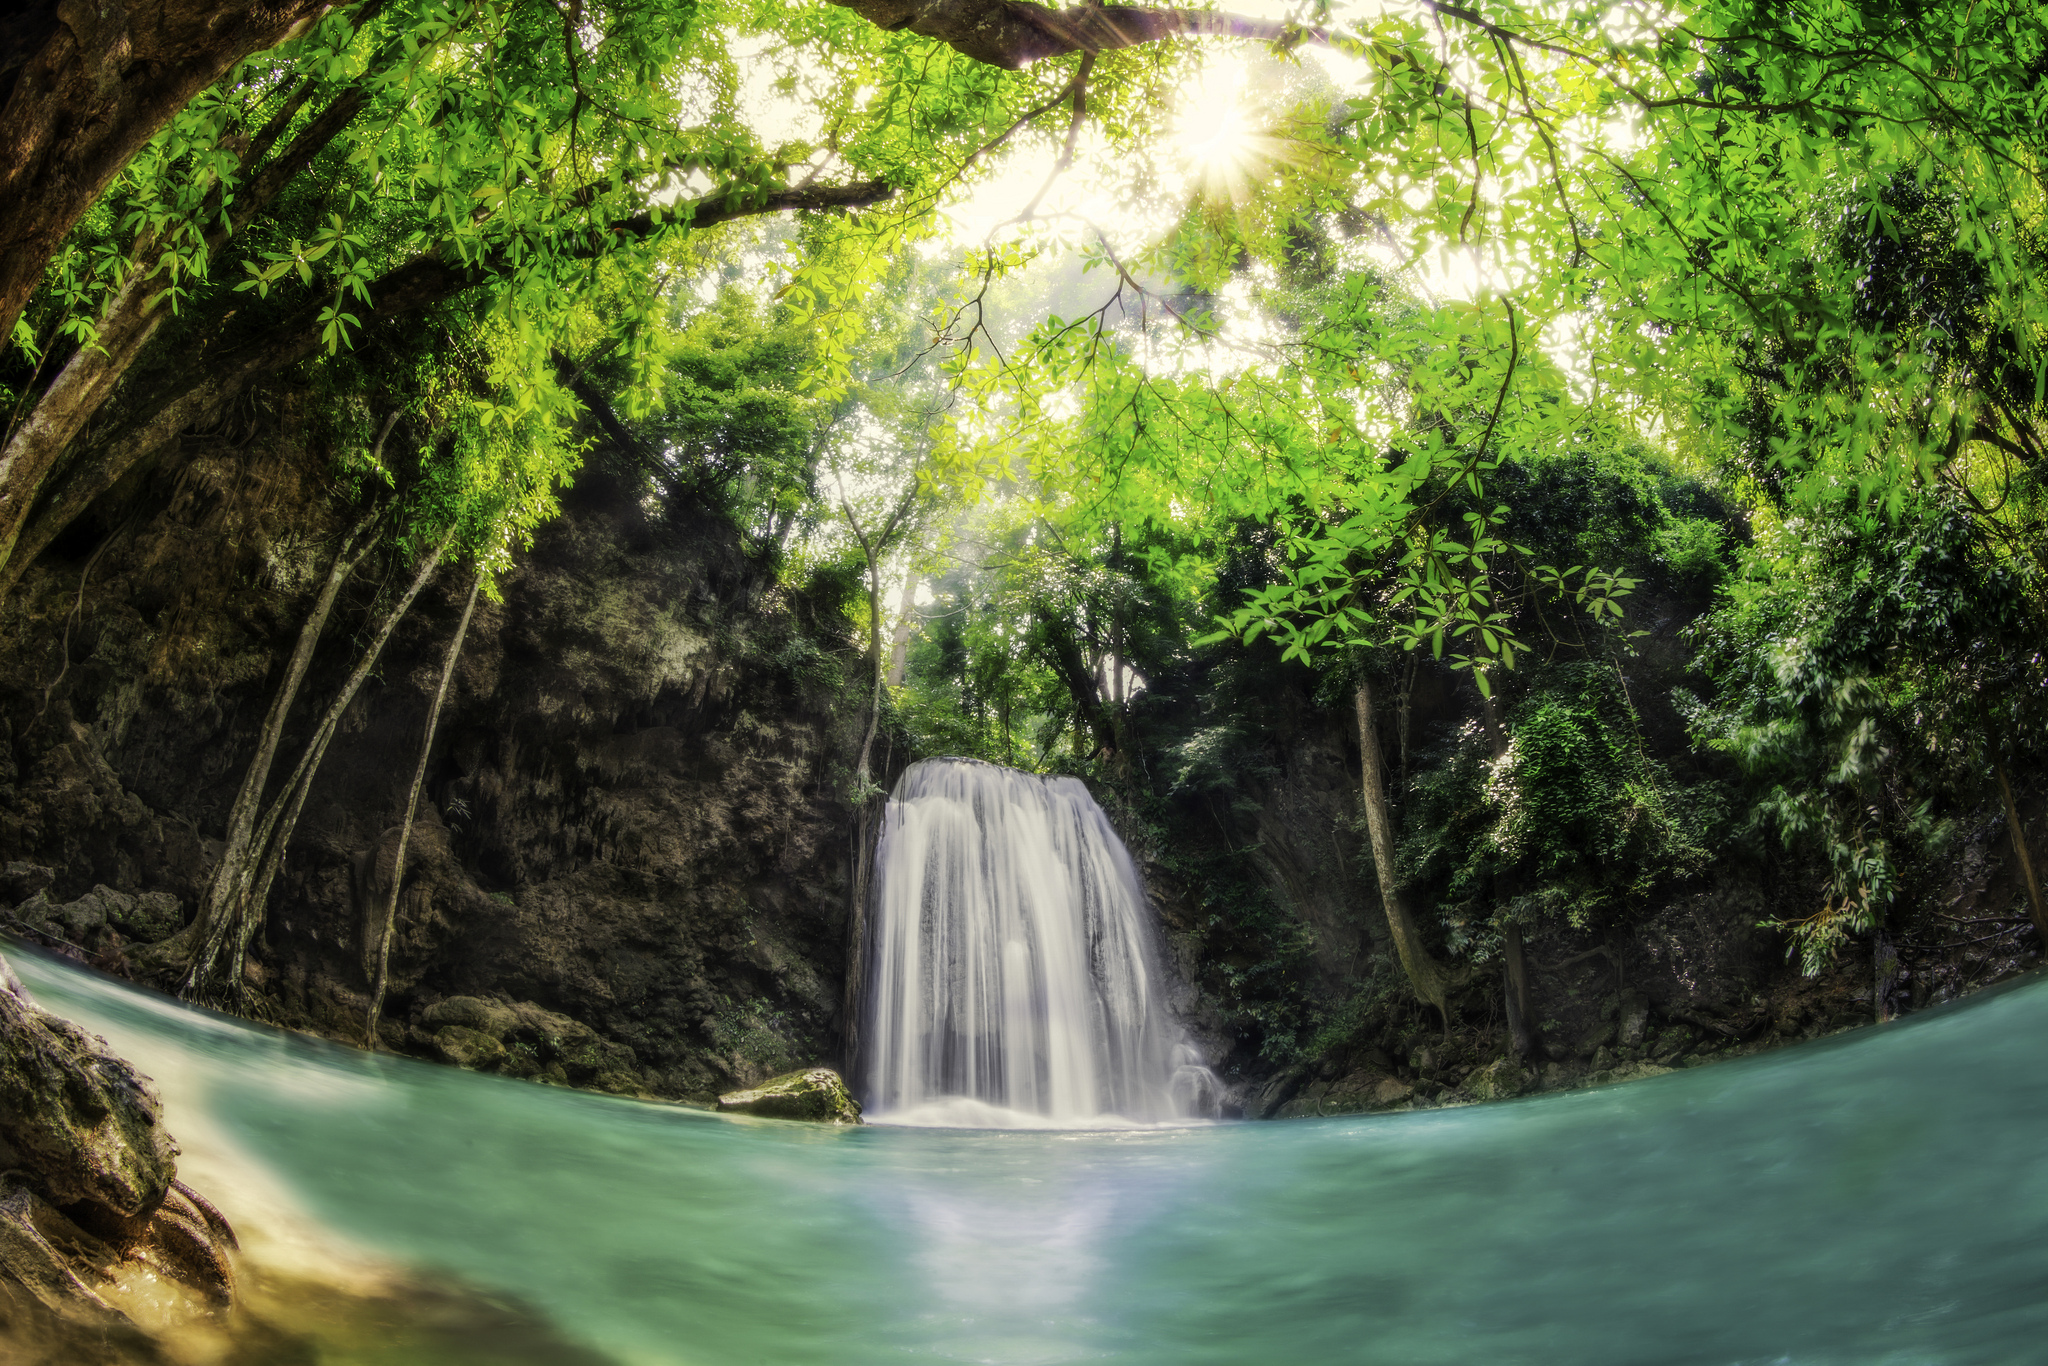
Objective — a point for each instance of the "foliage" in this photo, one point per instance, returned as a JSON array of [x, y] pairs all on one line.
[[1866, 670], [1574, 823]]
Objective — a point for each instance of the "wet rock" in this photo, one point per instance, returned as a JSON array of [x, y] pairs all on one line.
[[88, 1177], [1390, 1092], [522, 1039], [1267, 1102], [148, 917], [816, 1093], [473, 1013], [1593, 1040], [1498, 1080], [471, 1048], [87, 922], [1625, 1071], [83, 1120], [1351, 1094]]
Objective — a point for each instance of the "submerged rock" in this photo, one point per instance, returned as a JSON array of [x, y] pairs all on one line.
[[816, 1093]]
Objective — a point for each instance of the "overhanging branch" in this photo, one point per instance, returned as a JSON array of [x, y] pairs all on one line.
[[1015, 33]]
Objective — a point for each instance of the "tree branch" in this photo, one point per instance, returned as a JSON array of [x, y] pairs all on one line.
[[1015, 33]]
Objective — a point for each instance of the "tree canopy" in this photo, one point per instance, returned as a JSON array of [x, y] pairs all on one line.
[[1180, 330]]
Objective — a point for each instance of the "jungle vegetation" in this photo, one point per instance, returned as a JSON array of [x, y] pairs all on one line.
[[1127, 360]]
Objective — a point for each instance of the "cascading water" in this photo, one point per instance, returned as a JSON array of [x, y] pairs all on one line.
[[1013, 976]]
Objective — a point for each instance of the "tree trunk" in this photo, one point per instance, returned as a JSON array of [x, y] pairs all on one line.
[[867, 743], [899, 640], [1428, 978], [1520, 1035], [412, 802], [1071, 664], [221, 947], [82, 92], [1015, 33], [2017, 829], [134, 315], [232, 874], [1515, 977]]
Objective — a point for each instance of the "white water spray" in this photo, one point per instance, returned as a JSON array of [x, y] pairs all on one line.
[[1013, 975]]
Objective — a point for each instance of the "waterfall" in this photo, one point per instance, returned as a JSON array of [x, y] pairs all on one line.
[[1013, 975]]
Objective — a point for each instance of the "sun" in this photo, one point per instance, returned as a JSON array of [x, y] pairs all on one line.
[[1217, 137]]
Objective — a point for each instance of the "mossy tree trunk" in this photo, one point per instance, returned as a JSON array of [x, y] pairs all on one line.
[[1431, 981], [2018, 830]]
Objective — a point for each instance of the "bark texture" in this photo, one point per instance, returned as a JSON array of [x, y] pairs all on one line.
[[2016, 824], [1015, 33], [211, 951]]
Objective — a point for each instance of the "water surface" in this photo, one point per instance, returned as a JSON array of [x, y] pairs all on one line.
[[1878, 1198]]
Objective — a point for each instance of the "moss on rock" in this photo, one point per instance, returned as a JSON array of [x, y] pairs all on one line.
[[817, 1094]]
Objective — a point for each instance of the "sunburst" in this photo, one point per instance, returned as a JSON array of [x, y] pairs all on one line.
[[1219, 140]]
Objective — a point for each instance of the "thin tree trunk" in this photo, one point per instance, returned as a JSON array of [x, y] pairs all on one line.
[[2018, 831], [864, 813], [867, 743], [232, 874], [1404, 714], [899, 640], [412, 803], [1429, 979], [1520, 1036], [273, 834]]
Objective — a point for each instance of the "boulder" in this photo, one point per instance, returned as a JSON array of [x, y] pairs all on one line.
[[148, 917], [473, 1013], [1274, 1096], [88, 1177], [83, 1120], [1390, 1092], [1498, 1080], [816, 1093], [471, 1048], [524, 1040]]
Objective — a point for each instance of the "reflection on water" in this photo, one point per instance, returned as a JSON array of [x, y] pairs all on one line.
[[1874, 1199]]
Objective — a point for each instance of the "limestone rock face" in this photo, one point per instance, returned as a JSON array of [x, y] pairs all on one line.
[[817, 1093], [632, 835]]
